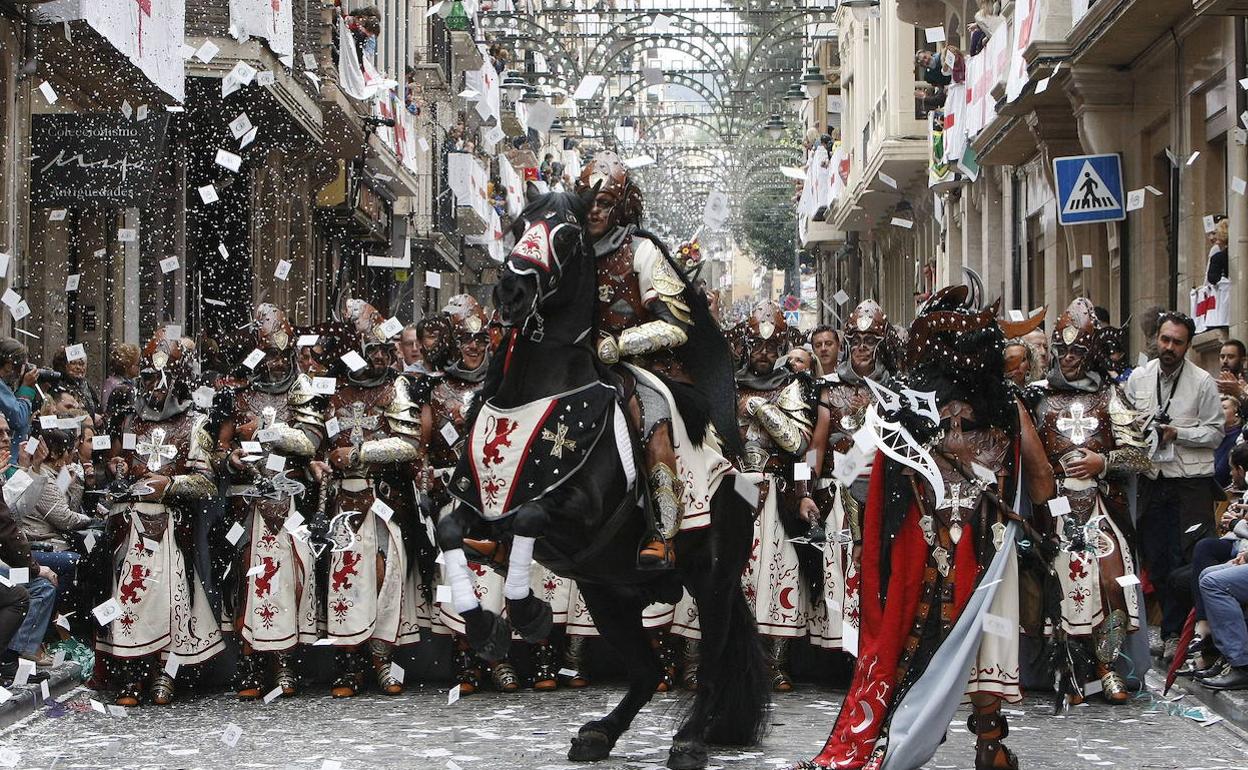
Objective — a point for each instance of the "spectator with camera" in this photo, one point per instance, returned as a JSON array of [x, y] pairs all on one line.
[[73, 379], [1184, 416], [19, 395]]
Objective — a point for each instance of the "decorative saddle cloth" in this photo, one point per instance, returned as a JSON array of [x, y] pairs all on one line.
[[515, 456]]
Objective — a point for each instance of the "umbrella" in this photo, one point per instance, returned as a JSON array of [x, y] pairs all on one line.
[[1185, 638]]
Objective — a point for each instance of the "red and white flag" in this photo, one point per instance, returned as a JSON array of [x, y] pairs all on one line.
[[267, 19], [149, 32]]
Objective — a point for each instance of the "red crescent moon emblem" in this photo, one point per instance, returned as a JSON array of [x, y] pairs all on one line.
[[784, 598]]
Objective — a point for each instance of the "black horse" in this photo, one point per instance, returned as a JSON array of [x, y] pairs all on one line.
[[589, 528]]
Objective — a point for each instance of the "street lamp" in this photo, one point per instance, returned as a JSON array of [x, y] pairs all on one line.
[[531, 94], [556, 129], [514, 85], [814, 82], [795, 97], [774, 126]]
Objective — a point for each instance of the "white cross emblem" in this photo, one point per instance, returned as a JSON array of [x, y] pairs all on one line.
[[357, 422], [1076, 426], [956, 501], [559, 441], [155, 450]]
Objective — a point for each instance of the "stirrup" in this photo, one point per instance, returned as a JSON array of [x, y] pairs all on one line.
[[994, 755], [657, 554], [505, 677], [162, 689]]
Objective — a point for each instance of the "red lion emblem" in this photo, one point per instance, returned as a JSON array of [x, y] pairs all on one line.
[[264, 581], [130, 588], [503, 428], [342, 577]]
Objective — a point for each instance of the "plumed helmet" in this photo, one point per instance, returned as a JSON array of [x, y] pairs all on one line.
[[368, 322], [167, 360], [273, 330], [867, 318], [765, 324], [466, 315], [606, 173], [1078, 329]]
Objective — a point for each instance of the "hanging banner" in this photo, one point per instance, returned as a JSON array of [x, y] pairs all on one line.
[[150, 33], [1024, 23], [92, 160], [267, 19], [939, 171]]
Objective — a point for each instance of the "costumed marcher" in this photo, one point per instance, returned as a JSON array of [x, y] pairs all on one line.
[[161, 468], [842, 401], [1094, 443], [939, 550], [274, 429], [775, 426], [373, 597], [650, 319], [450, 399]]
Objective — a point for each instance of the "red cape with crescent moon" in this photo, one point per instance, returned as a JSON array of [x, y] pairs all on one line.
[[885, 627]]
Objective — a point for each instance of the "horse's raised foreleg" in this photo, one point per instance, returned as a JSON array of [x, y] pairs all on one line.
[[618, 618], [530, 616], [488, 634]]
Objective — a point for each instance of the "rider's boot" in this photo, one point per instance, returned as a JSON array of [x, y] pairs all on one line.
[[544, 657], [575, 660], [990, 728], [657, 550]]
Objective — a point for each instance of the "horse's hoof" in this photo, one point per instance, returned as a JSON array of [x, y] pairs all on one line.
[[487, 633], [592, 743], [531, 617], [686, 755]]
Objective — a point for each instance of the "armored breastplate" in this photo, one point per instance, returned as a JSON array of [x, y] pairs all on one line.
[[163, 447], [361, 414], [847, 405], [268, 409], [972, 444], [619, 304], [1069, 420]]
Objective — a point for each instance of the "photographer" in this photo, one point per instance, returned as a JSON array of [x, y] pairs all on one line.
[[1177, 497], [18, 390]]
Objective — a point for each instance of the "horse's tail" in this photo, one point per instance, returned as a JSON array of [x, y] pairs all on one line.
[[738, 705]]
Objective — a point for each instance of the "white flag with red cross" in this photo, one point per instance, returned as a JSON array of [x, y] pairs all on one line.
[[267, 19], [150, 33]]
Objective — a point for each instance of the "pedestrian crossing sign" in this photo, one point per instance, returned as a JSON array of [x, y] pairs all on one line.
[[1089, 189]]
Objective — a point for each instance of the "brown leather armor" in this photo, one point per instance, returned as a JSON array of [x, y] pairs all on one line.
[[847, 406], [162, 448], [450, 400], [361, 414], [620, 306]]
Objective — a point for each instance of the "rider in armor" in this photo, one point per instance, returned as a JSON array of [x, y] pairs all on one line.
[[643, 318], [276, 413], [1093, 442]]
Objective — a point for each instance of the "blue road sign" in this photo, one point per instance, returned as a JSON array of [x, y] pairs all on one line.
[[792, 317], [1089, 189]]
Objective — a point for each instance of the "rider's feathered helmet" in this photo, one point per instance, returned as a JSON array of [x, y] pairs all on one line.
[[606, 173]]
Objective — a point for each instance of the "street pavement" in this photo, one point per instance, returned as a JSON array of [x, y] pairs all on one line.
[[530, 731]]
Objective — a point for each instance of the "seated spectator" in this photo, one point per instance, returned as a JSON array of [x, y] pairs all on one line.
[[1202, 656], [1233, 428], [56, 515], [1223, 591]]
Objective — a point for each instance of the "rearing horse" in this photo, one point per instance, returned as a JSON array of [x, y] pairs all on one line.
[[551, 464]]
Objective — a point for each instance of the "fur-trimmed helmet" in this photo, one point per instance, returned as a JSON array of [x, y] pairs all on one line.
[[951, 332], [606, 173], [765, 325]]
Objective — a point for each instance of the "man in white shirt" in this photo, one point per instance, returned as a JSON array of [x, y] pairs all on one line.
[[1181, 403]]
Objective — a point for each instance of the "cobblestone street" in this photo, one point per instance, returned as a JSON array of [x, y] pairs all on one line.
[[531, 731]]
